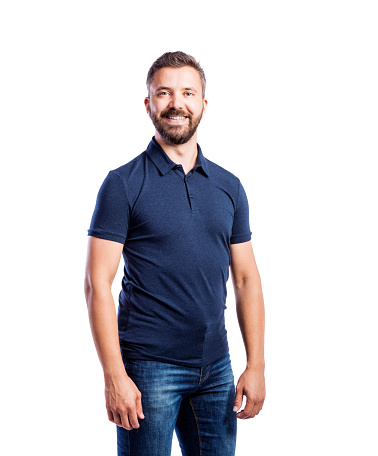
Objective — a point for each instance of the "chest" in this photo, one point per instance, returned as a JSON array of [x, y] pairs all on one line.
[[173, 206]]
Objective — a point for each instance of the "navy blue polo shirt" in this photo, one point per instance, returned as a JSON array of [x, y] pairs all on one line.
[[176, 232]]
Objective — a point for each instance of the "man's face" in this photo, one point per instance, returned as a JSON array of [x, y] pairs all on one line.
[[175, 104]]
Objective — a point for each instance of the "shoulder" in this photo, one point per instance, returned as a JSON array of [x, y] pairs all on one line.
[[131, 168], [130, 176], [223, 176]]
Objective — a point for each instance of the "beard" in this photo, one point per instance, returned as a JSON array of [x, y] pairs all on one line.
[[175, 134]]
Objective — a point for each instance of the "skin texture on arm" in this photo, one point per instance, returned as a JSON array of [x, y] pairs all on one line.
[[123, 399], [251, 317]]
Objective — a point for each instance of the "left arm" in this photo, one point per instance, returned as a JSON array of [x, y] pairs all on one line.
[[251, 317]]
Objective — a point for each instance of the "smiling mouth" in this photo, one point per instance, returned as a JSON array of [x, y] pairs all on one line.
[[176, 121]]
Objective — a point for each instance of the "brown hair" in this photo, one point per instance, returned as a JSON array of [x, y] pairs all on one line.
[[176, 59]]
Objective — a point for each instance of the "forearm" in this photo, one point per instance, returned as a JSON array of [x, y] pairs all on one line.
[[251, 317], [103, 321]]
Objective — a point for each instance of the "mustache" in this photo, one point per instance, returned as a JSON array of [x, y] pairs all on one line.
[[175, 112]]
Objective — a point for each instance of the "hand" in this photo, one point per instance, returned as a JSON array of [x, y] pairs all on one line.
[[123, 401], [252, 385]]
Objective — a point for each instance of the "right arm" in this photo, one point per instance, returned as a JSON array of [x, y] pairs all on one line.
[[123, 399]]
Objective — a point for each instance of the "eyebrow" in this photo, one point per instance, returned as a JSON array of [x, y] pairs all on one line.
[[168, 88]]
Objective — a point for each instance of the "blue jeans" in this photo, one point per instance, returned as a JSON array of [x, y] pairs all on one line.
[[196, 402]]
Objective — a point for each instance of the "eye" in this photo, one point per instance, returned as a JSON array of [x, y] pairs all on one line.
[[162, 93], [189, 94]]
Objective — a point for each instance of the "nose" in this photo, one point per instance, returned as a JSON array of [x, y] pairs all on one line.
[[176, 102]]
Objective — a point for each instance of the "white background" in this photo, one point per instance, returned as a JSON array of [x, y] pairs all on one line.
[[292, 90]]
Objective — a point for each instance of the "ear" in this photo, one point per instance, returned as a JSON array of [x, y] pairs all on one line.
[[147, 105], [204, 105]]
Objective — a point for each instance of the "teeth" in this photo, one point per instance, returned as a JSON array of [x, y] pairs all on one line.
[[176, 118]]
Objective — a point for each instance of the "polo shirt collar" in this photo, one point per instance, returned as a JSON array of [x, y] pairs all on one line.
[[165, 164]]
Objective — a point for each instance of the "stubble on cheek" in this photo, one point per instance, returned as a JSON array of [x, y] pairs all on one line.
[[175, 134]]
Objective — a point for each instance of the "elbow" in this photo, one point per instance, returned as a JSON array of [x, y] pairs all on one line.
[[241, 283], [247, 281], [88, 289], [96, 289]]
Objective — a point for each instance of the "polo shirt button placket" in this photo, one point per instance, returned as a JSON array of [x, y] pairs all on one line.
[[188, 191], [190, 197]]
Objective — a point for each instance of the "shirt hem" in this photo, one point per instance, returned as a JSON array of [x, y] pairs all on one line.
[[107, 236], [240, 238], [127, 354]]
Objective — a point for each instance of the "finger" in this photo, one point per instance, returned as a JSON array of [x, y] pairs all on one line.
[[238, 399], [117, 419], [139, 408], [254, 410], [110, 415], [247, 411], [125, 422], [259, 407], [133, 419], [113, 417], [249, 408], [243, 415]]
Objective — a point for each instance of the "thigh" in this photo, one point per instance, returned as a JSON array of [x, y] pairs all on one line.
[[206, 424], [161, 403]]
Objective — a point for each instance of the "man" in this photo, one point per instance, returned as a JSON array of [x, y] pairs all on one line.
[[180, 221]]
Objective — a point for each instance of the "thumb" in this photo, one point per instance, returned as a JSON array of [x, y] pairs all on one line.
[[139, 408], [238, 399]]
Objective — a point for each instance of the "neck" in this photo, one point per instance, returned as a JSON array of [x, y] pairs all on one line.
[[182, 154]]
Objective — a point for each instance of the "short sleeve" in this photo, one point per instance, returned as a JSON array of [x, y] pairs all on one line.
[[240, 229], [110, 219]]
